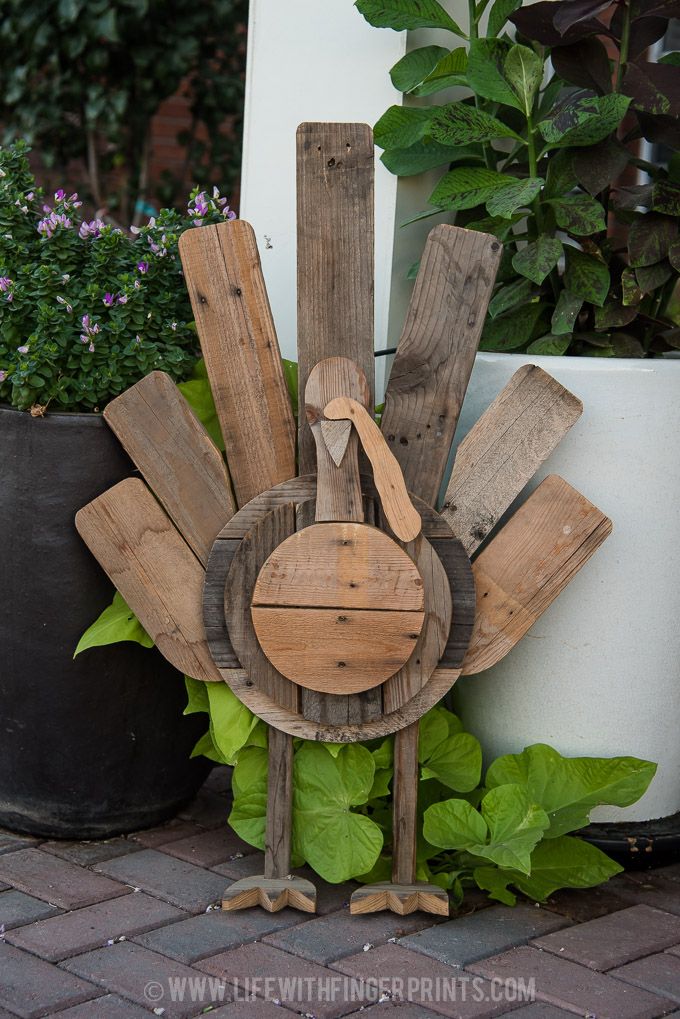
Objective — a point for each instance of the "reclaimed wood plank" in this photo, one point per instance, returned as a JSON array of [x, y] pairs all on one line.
[[504, 449], [160, 578], [279, 824], [436, 352], [335, 259], [176, 457], [526, 565], [238, 339]]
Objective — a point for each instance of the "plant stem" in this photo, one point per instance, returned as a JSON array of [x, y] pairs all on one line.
[[623, 49], [474, 34], [533, 171]]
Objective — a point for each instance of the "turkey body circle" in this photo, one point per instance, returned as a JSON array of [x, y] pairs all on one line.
[[338, 607]]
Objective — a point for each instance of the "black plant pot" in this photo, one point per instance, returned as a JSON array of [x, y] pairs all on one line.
[[96, 746]]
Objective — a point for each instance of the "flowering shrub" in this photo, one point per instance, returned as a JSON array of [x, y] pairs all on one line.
[[87, 309]]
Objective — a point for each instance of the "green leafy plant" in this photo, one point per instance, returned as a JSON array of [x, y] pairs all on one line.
[[506, 833], [87, 309], [535, 153], [82, 79]]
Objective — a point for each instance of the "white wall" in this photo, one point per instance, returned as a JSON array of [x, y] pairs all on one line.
[[320, 60]]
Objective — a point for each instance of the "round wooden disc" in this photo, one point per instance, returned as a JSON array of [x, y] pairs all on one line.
[[338, 607]]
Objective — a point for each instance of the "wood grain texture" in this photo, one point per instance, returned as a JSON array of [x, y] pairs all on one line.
[[272, 894], [336, 436], [401, 899], [405, 805], [412, 677], [160, 578], [335, 260], [436, 353], [338, 491], [504, 449], [279, 824], [176, 457], [216, 633], [439, 683], [338, 651], [400, 512], [340, 565], [461, 579], [254, 549], [526, 565], [329, 708], [238, 339]]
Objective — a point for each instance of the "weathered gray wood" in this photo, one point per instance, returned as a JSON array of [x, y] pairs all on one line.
[[436, 353], [334, 254], [160, 578], [338, 490], [176, 457], [241, 351], [252, 552], [504, 449], [405, 805], [217, 635], [279, 828], [462, 584]]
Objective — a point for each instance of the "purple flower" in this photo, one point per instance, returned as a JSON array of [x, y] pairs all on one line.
[[5, 283], [108, 299], [91, 229], [59, 195], [48, 225], [3, 376], [91, 347], [142, 267], [30, 196], [122, 299], [23, 349]]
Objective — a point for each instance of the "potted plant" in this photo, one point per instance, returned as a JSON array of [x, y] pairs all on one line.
[[564, 144], [97, 745]]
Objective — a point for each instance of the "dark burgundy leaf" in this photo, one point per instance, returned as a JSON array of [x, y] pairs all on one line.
[[658, 8], [650, 277], [650, 238], [666, 197], [599, 166], [671, 337], [654, 88], [626, 346], [662, 130], [631, 197], [571, 12], [674, 255], [646, 31], [584, 63], [612, 315], [536, 23]]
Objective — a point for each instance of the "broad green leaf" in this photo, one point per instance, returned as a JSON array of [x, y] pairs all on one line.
[[516, 195], [629, 288], [432, 732], [497, 225], [116, 623], [462, 124], [450, 71], [485, 72], [566, 312], [332, 748], [524, 72], [425, 155], [515, 824], [560, 178], [564, 863], [518, 292], [206, 748], [407, 15], [550, 345], [402, 126], [196, 391], [538, 259], [495, 882], [414, 68], [290, 373], [613, 315], [413, 271], [456, 762], [499, 14], [584, 121], [249, 784], [468, 186], [586, 276], [383, 755], [335, 841], [673, 256], [581, 215], [454, 824], [231, 722], [197, 695], [568, 788], [512, 330]]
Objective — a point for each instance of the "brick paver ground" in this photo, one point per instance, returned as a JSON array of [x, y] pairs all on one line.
[[130, 927]]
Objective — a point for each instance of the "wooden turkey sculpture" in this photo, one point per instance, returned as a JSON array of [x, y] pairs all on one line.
[[335, 601]]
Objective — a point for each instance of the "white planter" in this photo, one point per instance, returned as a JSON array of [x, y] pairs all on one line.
[[599, 674]]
